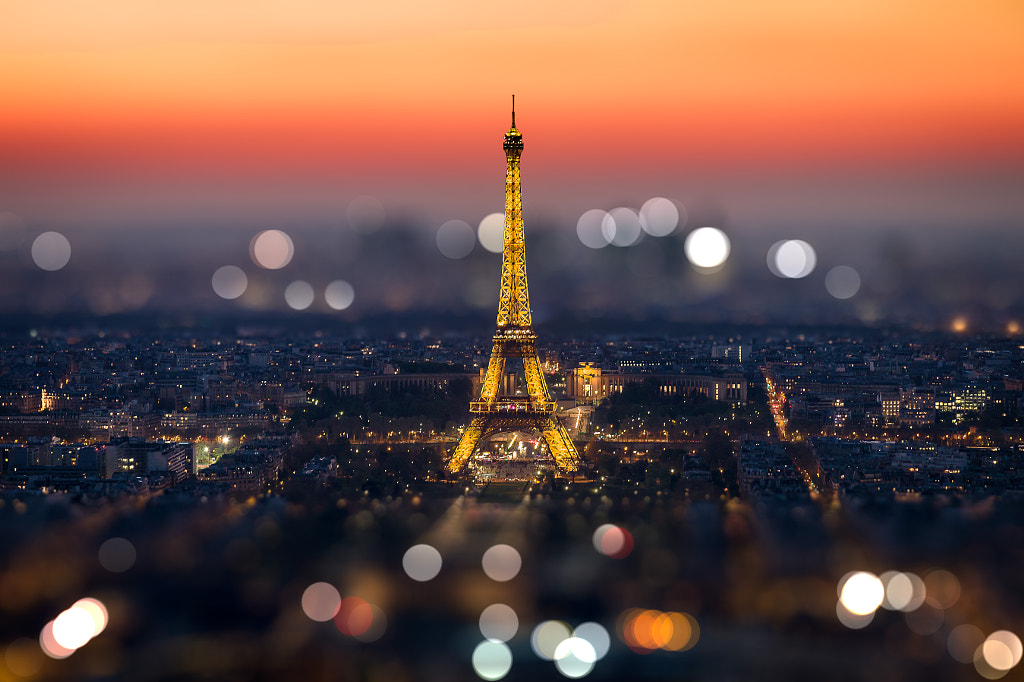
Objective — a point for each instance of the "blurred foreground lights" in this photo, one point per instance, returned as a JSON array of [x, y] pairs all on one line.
[[575, 657], [963, 641], [659, 217], [959, 325], [421, 563], [499, 622], [998, 654], [943, 588], [620, 227], [613, 541], [23, 657], [455, 239], [589, 229], [792, 259], [339, 294], [597, 635], [117, 555], [707, 248], [73, 628], [361, 620], [491, 232], [861, 593], [320, 602], [271, 249], [51, 251], [501, 563], [492, 660], [645, 631], [229, 282], [903, 591], [842, 282], [546, 637], [299, 295]]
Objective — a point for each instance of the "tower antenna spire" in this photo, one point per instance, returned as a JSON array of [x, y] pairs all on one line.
[[513, 111]]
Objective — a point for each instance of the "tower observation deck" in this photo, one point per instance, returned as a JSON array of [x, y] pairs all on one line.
[[514, 339]]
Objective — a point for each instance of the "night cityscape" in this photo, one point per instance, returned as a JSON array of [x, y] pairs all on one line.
[[757, 415]]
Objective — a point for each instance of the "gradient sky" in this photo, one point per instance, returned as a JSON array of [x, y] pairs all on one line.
[[791, 118], [197, 99]]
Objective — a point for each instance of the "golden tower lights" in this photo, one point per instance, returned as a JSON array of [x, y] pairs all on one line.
[[514, 338]]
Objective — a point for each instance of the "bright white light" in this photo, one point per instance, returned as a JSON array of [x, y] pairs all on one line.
[[499, 622], [96, 610], [842, 282], [299, 295], [51, 251], [707, 247], [791, 258], [339, 294], [621, 226], [271, 249], [229, 282], [575, 657], [455, 239], [862, 593], [1003, 640], [492, 660], [73, 628], [588, 229], [422, 562], [501, 563], [491, 232], [659, 217]]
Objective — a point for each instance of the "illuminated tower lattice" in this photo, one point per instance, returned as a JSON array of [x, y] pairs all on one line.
[[496, 411]]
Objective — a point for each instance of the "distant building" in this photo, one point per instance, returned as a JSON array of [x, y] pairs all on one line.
[[589, 385]]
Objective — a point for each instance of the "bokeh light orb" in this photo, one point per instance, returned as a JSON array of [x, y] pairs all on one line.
[[50, 646], [546, 637], [271, 249], [660, 217], [422, 562], [73, 628], [96, 610], [321, 601], [491, 232], [842, 282], [862, 593], [792, 259], [1002, 650], [621, 226], [943, 588], [117, 555], [852, 620], [575, 657], [597, 635], [492, 660], [455, 239], [963, 641], [613, 541], [229, 282], [339, 294], [23, 657], [501, 563], [707, 248], [499, 622], [51, 251], [299, 295], [589, 229]]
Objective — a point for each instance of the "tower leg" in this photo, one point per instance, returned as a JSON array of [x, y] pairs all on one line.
[[467, 444], [561, 446]]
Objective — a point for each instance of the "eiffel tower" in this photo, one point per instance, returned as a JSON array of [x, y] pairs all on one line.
[[495, 411]]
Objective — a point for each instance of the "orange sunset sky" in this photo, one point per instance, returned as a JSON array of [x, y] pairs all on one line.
[[112, 108]]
